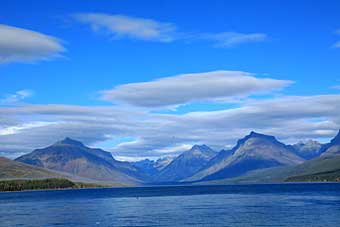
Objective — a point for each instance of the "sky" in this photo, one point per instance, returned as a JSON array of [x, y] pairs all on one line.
[[147, 79]]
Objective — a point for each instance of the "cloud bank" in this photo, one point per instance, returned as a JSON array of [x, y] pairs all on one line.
[[135, 133], [185, 88], [22, 45]]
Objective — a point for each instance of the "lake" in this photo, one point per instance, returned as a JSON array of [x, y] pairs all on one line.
[[290, 205]]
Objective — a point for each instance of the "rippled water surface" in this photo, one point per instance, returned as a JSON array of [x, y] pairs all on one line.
[[288, 205]]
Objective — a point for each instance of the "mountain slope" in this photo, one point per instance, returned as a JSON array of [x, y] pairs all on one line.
[[323, 168], [16, 170], [10, 170], [316, 167], [255, 151], [73, 157], [186, 164], [161, 163], [333, 147]]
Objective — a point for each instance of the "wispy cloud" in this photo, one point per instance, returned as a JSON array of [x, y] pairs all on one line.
[[336, 87], [22, 45], [231, 39], [16, 97], [337, 44], [121, 26], [186, 88], [26, 126]]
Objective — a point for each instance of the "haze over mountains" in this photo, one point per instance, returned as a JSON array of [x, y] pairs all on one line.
[[256, 157]]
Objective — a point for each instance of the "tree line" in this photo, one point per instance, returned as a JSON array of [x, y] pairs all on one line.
[[51, 183]]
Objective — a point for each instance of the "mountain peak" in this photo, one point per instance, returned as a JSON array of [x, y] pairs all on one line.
[[69, 141], [200, 147], [253, 133], [256, 134], [260, 135]]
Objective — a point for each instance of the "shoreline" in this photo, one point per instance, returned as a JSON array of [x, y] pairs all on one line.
[[168, 186]]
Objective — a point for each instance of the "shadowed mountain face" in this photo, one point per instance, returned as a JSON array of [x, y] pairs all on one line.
[[146, 165], [332, 148], [308, 150], [186, 164], [255, 151], [73, 157]]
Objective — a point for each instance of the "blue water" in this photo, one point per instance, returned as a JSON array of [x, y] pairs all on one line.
[[291, 205]]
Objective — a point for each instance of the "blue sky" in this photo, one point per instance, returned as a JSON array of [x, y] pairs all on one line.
[[83, 56]]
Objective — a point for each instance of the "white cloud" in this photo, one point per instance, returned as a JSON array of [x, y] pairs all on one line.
[[290, 118], [133, 159], [21, 45], [120, 26], [231, 39], [174, 149], [16, 129], [16, 97], [187, 88]]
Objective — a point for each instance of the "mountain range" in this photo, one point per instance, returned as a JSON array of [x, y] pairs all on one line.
[[254, 151], [325, 167], [254, 158]]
